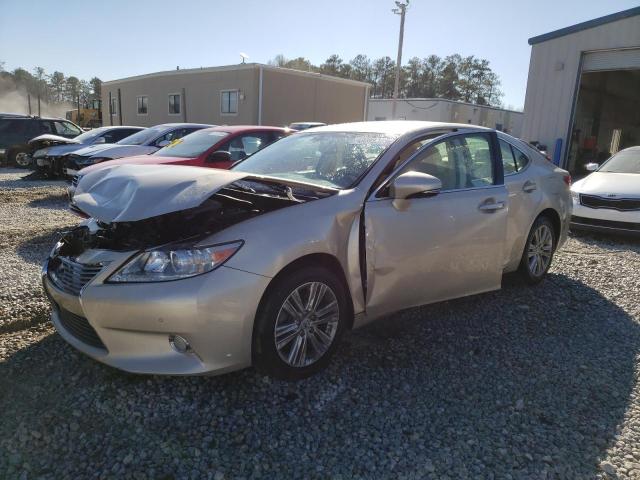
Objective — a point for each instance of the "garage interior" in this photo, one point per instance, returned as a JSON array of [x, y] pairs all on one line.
[[607, 117]]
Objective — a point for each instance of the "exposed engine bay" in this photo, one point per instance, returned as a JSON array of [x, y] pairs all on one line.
[[235, 203]]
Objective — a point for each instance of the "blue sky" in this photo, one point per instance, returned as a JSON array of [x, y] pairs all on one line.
[[117, 38]]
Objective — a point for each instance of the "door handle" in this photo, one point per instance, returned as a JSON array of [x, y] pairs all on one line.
[[490, 205], [529, 186]]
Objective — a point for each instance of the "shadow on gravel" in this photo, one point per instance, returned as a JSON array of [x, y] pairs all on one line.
[[608, 241], [52, 201], [35, 249], [527, 382]]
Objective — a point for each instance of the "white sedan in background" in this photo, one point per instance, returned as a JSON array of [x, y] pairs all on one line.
[[608, 200]]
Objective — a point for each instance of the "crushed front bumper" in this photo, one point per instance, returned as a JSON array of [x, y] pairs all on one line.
[[128, 326]]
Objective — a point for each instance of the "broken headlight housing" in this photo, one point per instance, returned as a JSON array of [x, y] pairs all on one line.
[[173, 263], [86, 161]]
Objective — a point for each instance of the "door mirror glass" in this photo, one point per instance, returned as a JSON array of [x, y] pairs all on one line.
[[220, 156], [100, 140], [591, 167], [163, 143], [410, 184]]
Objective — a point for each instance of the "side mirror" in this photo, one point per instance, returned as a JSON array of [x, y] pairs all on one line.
[[410, 184], [220, 156], [100, 140], [591, 167], [163, 143]]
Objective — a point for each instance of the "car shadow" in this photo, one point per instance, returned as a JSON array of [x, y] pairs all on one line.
[[527, 382], [52, 202], [607, 241], [36, 248]]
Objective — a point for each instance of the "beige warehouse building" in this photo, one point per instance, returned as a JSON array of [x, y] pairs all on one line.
[[583, 91], [245, 94]]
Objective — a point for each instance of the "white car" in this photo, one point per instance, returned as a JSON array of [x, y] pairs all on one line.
[[608, 200]]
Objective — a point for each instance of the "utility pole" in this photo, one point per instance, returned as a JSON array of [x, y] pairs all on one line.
[[400, 10]]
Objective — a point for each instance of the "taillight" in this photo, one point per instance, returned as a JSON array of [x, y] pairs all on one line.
[[567, 180]]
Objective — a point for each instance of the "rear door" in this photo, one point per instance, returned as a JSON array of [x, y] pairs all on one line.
[[447, 245]]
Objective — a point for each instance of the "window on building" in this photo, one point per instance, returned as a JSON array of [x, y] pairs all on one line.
[[174, 104], [229, 102], [114, 106], [143, 105]]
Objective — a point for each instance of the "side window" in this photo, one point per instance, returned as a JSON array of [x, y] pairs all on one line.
[[142, 102], [521, 159], [174, 104], [46, 127], [508, 160], [463, 161], [117, 135], [66, 129], [229, 102], [255, 141]]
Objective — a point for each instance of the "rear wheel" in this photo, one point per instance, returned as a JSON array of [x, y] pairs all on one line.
[[538, 251], [17, 157], [300, 324]]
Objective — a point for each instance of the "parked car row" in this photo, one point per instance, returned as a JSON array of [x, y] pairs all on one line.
[[186, 270]]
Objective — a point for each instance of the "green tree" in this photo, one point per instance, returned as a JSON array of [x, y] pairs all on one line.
[[72, 89], [332, 65], [57, 85], [361, 68]]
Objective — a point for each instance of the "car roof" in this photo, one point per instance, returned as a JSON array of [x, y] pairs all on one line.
[[393, 127], [179, 124], [243, 128]]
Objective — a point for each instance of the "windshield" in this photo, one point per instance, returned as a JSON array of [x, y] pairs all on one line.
[[626, 161], [327, 159], [87, 137], [141, 137], [192, 145]]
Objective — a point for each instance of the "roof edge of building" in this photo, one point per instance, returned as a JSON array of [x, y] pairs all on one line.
[[578, 27], [240, 66]]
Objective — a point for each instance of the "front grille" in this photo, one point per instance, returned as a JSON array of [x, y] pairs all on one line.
[[80, 328], [595, 222], [70, 276], [621, 204]]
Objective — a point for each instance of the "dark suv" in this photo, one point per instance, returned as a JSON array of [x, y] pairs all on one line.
[[17, 130]]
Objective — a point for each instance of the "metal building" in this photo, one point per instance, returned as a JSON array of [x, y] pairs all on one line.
[[583, 91], [245, 94], [443, 110]]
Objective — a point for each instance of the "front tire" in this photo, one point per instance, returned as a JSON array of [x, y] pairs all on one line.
[[300, 324], [538, 251]]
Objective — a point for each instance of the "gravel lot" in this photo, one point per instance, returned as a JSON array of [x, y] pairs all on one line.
[[522, 383]]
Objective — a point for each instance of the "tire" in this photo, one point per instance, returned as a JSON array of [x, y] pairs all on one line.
[[315, 333], [538, 251], [14, 156]]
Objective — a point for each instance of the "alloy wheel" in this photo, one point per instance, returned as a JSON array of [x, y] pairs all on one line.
[[22, 159], [540, 250], [306, 324]]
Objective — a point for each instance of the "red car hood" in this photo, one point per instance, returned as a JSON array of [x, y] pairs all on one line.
[[137, 160]]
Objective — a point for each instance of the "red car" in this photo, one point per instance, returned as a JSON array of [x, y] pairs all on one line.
[[217, 147]]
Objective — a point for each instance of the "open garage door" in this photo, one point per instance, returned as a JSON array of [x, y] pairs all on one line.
[[628, 58], [607, 114]]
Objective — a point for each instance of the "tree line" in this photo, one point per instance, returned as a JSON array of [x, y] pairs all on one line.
[[54, 88], [468, 79]]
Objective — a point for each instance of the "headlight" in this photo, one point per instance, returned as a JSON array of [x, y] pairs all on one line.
[[164, 264], [2, 151], [41, 153]]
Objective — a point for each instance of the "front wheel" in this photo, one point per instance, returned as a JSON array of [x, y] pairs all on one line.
[[538, 251], [300, 324]]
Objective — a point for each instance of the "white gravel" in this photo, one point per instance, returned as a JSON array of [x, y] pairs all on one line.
[[522, 383]]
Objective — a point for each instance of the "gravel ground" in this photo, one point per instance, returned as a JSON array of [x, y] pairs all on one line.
[[522, 383]]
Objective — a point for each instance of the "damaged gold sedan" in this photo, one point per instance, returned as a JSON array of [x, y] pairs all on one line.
[[184, 270]]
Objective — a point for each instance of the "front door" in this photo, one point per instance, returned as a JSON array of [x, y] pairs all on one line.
[[424, 250]]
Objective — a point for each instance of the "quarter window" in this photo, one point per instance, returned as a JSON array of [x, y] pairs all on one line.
[[143, 104], [174, 104], [229, 102], [513, 160], [463, 161]]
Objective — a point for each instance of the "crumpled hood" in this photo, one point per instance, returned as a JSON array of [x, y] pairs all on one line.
[[57, 150], [112, 150], [623, 185], [48, 139], [137, 160], [128, 193]]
